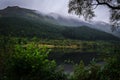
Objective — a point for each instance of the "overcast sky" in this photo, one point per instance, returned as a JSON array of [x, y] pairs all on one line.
[[55, 6]]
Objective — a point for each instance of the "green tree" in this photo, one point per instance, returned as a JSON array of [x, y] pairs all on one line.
[[30, 63], [80, 73], [111, 70]]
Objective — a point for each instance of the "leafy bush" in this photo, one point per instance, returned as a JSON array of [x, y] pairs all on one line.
[[82, 72], [111, 70], [30, 63]]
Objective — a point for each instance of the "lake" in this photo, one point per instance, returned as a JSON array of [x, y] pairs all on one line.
[[66, 57]]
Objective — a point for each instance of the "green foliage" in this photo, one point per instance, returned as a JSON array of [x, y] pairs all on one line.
[[29, 63], [6, 49], [111, 70], [21, 61], [108, 71], [82, 72]]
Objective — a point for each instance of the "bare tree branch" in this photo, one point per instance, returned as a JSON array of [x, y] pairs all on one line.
[[86, 8], [107, 4]]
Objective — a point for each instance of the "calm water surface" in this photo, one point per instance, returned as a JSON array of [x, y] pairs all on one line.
[[62, 56]]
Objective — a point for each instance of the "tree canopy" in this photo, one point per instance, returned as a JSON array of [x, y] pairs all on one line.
[[86, 9]]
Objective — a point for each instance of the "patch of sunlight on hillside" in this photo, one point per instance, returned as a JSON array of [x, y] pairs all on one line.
[[31, 15]]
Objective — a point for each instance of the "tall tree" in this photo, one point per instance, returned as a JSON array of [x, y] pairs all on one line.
[[86, 9]]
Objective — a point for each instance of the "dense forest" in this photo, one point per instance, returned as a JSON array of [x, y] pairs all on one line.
[[22, 27]]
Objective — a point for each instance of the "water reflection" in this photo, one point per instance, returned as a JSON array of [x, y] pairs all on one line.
[[63, 56]]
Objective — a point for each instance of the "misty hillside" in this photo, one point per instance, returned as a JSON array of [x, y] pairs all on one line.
[[20, 22]]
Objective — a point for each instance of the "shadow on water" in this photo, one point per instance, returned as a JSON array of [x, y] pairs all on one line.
[[74, 55]]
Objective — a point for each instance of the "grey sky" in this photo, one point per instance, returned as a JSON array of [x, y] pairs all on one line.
[[56, 6]]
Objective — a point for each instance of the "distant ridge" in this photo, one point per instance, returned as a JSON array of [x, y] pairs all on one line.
[[21, 22]]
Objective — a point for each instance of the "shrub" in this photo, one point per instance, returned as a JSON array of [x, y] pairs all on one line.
[[29, 63], [111, 70], [83, 72]]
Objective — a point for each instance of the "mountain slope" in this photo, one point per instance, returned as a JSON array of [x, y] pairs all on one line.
[[87, 34], [22, 22], [102, 26]]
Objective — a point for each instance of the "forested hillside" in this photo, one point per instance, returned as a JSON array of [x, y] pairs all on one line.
[[20, 22]]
